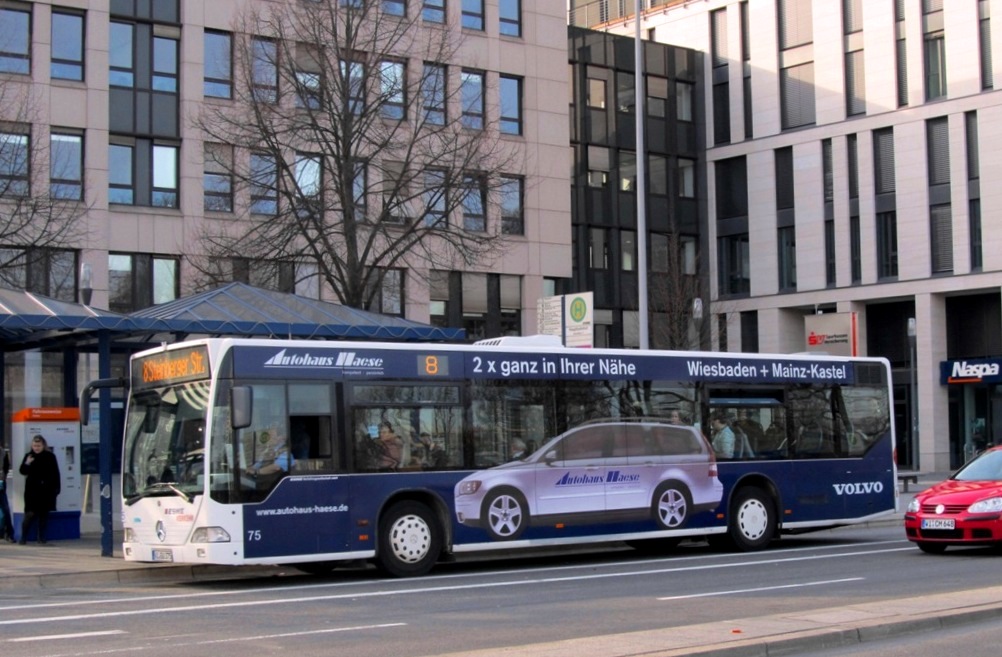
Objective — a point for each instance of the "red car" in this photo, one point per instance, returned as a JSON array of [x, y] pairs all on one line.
[[966, 509]]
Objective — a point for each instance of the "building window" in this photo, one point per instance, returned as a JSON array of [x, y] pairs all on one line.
[[217, 180], [852, 16], [308, 175], [973, 160], [49, 272], [359, 190], [883, 160], [164, 176], [830, 263], [512, 213], [796, 23], [627, 171], [787, 244], [386, 293], [395, 7], [472, 98], [657, 174], [686, 178], [511, 105], [987, 78], [784, 178], [15, 164], [977, 261], [433, 93], [598, 166], [120, 178], [278, 275], [734, 272], [855, 250], [887, 245], [721, 113], [67, 45], [657, 97], [855, 84], [435, 198], [353, 74], [264, 184], [218, 68], [627, 250], [473, 15], [308, 89], [626, 93], [718, 37], [474, 203], [15, 40], [941, 236], [433, 11], [140, 280], [66, 166], [121, 55], [395, 194], [828, 173], [598, 248], [264, 70], [510, 17], [796, 87], [901, 60], [683, 100], [165, 64], [853, 153], [596, 93], [392, 77], [935, 66], [938, 136]]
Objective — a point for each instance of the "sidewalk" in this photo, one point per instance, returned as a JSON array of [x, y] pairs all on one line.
[[78, 563]]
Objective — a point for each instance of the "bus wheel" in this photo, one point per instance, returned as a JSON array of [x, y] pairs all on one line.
[[505, 514], [671, 505], [410, 540], [932, 548], [753, 519]]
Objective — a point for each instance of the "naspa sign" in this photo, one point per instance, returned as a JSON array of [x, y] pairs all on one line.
[[975, 370]]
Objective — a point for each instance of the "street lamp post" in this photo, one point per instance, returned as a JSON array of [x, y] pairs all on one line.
[[913, 406]]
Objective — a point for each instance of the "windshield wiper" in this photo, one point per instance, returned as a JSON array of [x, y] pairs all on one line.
[[158, 490]]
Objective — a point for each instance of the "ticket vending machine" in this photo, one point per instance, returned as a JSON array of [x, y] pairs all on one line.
[[61, 429]]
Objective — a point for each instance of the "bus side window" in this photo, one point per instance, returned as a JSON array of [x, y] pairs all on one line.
[[311, 443]]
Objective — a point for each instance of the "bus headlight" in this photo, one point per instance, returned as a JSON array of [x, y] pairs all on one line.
[[210, 535], [128, 535], [468, 487]]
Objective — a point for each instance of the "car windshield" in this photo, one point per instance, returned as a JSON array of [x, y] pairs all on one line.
[[987, 467]]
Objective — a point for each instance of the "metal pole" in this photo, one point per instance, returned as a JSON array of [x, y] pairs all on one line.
[[914, 406], [641, 116]]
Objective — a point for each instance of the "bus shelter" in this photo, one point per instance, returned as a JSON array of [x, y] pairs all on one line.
[[32, 322]]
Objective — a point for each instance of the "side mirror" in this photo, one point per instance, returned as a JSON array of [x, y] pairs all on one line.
[[241, 407], [550, 457]]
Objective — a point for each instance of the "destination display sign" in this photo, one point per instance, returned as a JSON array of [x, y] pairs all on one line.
[[171, 367], [484, 363]]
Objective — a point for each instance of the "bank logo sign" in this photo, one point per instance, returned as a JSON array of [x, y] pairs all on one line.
[[962, 371]]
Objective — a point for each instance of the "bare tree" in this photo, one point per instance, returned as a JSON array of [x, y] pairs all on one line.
[[362, 142], [672, 291], [41, 195]]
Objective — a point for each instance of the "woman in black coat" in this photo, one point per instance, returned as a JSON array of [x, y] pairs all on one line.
[[41, 487]]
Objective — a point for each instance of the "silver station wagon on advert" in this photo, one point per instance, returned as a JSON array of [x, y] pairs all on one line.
[[601, 471]]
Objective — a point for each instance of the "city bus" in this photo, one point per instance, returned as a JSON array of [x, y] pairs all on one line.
[[315, 454]]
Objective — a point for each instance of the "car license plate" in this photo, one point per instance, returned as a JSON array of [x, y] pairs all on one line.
[[938, 523], [163, 555]]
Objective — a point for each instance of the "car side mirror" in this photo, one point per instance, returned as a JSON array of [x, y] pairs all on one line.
[[550, 457]]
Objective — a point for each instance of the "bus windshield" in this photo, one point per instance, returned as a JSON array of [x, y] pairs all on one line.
[[164, 441]]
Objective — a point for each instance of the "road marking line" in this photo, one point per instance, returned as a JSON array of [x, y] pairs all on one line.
[[78, 635], [434, 589], [304, 633], [764, 588]]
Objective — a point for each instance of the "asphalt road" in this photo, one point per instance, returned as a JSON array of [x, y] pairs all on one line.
[[487, 605]]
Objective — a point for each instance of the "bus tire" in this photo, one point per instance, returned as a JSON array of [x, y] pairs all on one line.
[[505, 514], [671, 504], [753, 519], [410, 540]]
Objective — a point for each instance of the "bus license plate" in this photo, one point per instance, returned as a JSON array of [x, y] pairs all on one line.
[[938, 523], [163, 555]]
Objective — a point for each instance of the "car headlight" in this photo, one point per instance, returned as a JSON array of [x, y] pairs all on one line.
[[468, 487], [914, 506], [991, 505]]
